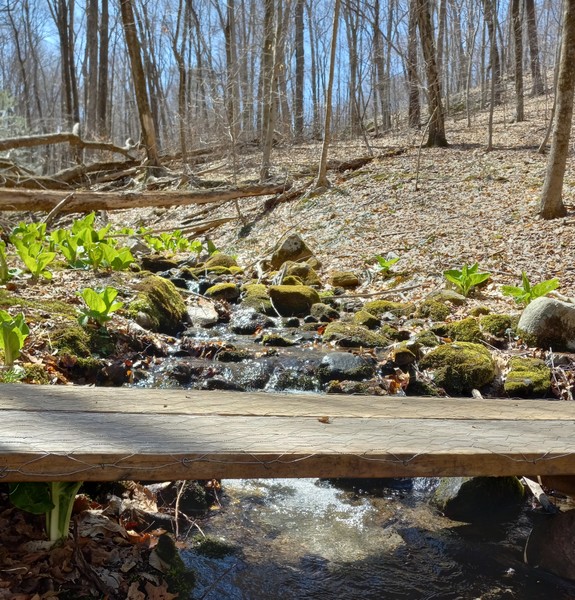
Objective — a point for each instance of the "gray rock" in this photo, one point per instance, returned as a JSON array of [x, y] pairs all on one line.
[[479, 499], [293, 248], [344, 366], [247, 321], [203, 315], [549, 323]]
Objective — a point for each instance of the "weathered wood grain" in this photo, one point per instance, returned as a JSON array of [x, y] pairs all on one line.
[[75, 433]]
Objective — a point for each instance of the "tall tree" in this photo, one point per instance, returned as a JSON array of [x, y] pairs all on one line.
[[436, 136], [103, 70], [534, 61], [149, 137], [517, 23], [299, 70], [490, 10], [551, 205], [414, 107]]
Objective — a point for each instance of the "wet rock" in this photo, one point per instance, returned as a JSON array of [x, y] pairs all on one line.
[[255, 295], [357, 388], [156, 263], [550, 545], [479, 499], [203, 315], [277, 340], [223, 291], [528, 378], [549, 323], [324, 313], [349, 335], [405, 354], [366, 319], [158, 306], [344, 279], [460, 367], [217, 383], [291, 322], [247, 321], [293, 248], [293, 300], [345, 366]]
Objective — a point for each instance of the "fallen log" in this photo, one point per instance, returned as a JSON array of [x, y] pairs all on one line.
[[87, 201]]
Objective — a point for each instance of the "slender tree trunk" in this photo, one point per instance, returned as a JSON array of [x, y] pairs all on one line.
[[299, 70], [538, 88], [139, 80], [495, 60], [322, 181], [91, 67], [517, 23], [103, 71], [551, 205], [436, 136], [414, 106]]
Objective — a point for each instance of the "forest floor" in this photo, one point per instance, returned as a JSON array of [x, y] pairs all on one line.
[[470, 206]]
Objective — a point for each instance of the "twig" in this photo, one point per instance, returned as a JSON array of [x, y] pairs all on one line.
[[54, 212], [540, 495], [177, 508]]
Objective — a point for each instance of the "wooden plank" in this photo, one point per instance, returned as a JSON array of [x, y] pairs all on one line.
[[180, 401], [81, 443]]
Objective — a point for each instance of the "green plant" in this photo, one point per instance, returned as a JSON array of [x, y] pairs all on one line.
[[99, 305], [385, 264], [30, 231], [35, 257], [466, 278], [116, 259], [173, 241], [527, 293], [54, 499], [5, 274], [13, 333]]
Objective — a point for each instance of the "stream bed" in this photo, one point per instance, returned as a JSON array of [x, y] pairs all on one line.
[[308, 539]]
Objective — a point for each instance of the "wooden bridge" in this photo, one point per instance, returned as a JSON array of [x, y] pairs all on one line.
[[101, 434]]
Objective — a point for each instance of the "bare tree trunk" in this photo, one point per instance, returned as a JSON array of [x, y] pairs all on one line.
[[322, 181], [489, 7], [91, 67], [414, 107], [538, 88], [551, 206], [436, 136], [518, 53], [103, 74], [299, 70], [139, 79]]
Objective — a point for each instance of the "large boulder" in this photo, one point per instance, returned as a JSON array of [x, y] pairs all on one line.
[[476, 499], [292, 248], [549, 323], [460, 367]]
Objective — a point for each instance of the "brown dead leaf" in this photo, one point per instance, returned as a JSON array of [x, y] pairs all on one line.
[[134, 592], [159, 592]]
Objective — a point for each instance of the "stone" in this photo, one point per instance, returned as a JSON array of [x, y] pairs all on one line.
[[466, 330], [550, 545], [156, 263], [497, 327], [292, 248], [293, 300], [366, 319], [434, 310], [349, 335], [203, 315], [450, 296], [304, 272], [549, 323], [255, 295], [277, 340], [342, 366], [246, 321], [344, 279], [528, 378], [220, 259], [224, 291], [378, 308], [479, 499], [324, 313], [459, 367]]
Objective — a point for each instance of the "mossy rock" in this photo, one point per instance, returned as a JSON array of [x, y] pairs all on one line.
[[427, 339], [223, 291], [293, 300], [479, 499], [460, 367], [293, 248], [277, 340], [366, 319], [479, 311], [394, 334], [291, 280], [466, 330], [450, 296], [403, 354], [528, 378], [160, 302], [380, 307], [219, 259], [304, 272], [433, 309], [497, 325], [155, 263], [344, 279], [349, 335], [324, 313], [73, 340], [215, 270], [212, 548], [255, 295]]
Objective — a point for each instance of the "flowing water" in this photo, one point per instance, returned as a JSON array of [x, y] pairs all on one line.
[[307, 539]]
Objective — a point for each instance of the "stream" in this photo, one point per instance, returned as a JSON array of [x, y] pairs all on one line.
[[307, 538]]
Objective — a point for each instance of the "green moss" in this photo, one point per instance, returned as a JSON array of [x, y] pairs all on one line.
[[478, 311], [201, 271], [223, 291], [528, 378], [213, 548], [497, 325], [460, 367], [25, 373], [433, 309], [323, 312], [255, 295], [219, 259], [162, 304], [275, 339], [366, 319], [427, 339], [466, 330], [293, 300], [349, 335], [399, 309], [304, 272], [344, 279], [291, 280], [396, 335]]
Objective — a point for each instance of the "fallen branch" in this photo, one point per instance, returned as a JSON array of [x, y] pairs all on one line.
[[87, 201]]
